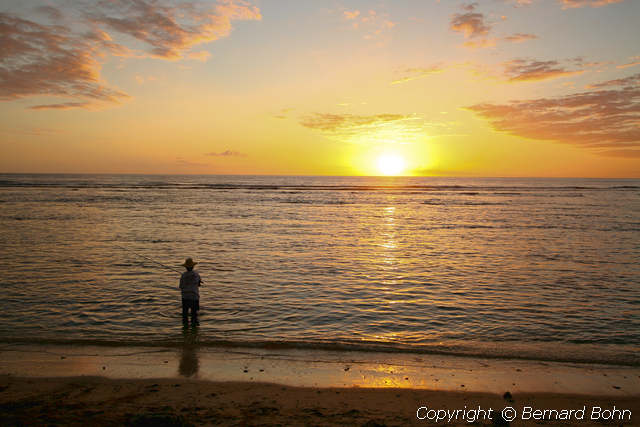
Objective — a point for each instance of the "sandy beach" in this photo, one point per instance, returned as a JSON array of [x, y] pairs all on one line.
[[73, 385], [103, 401]]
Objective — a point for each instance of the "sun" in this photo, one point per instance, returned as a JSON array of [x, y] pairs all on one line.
[[391, 164]]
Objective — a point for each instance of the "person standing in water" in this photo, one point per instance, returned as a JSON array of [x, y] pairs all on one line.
[[189, 284]]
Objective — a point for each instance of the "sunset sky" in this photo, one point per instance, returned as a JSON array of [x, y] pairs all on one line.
[[309, 87]]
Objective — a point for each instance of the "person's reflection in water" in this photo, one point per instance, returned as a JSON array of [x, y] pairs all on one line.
[[189, 362]]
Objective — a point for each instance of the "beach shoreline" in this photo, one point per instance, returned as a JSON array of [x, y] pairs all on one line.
[[71, 385]]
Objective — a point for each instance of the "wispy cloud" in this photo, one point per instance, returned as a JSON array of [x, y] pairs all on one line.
[[348, 14], [520, 37], [470, 23], [49, 60], [519, 70], [171, 29], [635, 60], [376, 128], [283, 113], [372, 23], [630, 81], [569, 4], [480, 43], [593, 3], [50, 12], [62, 106], [202, 56], [34, 131], [409, 74], [39, 59], [605, 121], [226, 153], [335, 122]]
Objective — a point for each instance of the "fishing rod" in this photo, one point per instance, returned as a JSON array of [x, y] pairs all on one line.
[[149, 259], [161, 264]]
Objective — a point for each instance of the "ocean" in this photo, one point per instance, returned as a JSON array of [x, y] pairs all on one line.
[[543, 269]]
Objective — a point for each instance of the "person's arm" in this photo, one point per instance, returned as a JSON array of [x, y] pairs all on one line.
[[199, 280]]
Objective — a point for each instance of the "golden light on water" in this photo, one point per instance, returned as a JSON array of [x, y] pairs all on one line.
[[391, 164]]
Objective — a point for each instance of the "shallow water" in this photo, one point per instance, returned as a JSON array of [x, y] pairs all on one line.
[[536, 268]]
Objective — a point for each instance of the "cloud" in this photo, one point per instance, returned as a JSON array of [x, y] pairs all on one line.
[[202, 56], [605, 121], [622, 152], [61, 106], [371, 129], [334, 122], [283, 113], [50, 12], [169, 29], [569, 4], [48, 60], [470, 23], [226, 153], [39, 59], [35, 131], [635, 60], [520, 37], [372, 23], [520, 70], [417, 73], [630, 81], [351, 14], [480, 43]]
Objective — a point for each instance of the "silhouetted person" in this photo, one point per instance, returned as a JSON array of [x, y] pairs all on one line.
[[189, 284]]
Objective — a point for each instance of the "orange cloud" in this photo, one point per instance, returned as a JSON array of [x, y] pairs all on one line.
[[417, 73], [48, 60], [570, 4], [520, 37], [61, 106], [170, 30], [351, 15], [626, 82], [372, 23], [202, 56], [471, 23], [51, 60], [520, 70], [480, 43], [605, 121], [336, 122], [635, 60], [371, 129], [593, 3]]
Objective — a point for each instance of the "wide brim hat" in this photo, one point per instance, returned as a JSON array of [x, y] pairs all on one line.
[[189, 263]]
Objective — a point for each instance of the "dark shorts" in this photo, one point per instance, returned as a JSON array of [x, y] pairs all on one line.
[[192, 304]]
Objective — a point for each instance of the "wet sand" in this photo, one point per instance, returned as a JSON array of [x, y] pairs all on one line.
[[73, 385]]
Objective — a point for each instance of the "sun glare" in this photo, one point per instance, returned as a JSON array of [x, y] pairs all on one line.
[[391, 164]]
